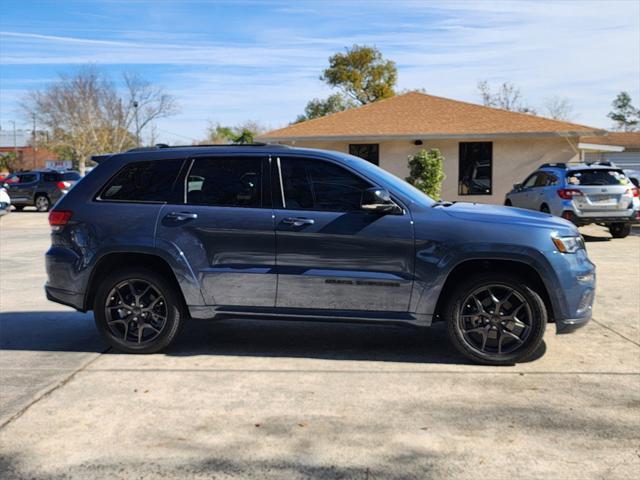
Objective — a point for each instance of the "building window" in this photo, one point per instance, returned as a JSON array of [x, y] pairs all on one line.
[[475, 164], [369, 151]]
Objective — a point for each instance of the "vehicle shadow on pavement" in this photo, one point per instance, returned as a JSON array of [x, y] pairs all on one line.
[[75, 332]]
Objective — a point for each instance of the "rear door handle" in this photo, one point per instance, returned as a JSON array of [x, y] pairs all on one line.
[[298, 221], [181, 216]]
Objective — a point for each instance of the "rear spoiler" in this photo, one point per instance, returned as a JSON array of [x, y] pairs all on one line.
[[101, 158]]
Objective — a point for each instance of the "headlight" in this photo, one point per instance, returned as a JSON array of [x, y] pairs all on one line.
[[568, 244]]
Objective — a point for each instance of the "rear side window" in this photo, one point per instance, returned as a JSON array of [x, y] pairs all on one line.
[[51, 177], [318, 185], [597, 177], [152, 181], [226, 182], [70, 176]]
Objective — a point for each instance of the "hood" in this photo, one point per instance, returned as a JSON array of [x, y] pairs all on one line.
[[478, 212]]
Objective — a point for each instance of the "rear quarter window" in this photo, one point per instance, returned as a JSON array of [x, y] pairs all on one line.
[[151, 181]]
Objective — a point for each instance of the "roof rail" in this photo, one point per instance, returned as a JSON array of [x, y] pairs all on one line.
[[164, 145], [556, 165]]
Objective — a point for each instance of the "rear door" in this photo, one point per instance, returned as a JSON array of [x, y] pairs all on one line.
[[224, 229], [604, 191], [330, 253]]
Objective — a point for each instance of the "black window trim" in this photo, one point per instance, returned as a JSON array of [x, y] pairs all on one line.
[[358, 174], [98, 196], [264, 157], [490, 170]]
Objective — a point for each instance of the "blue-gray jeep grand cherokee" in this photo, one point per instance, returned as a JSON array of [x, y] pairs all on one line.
[[153, 236]]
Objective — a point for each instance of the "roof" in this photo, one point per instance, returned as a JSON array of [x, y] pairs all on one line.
[[628, 140], [418, 115]]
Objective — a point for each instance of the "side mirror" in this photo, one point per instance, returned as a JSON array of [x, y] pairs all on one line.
[[378, 200], [517, 186]]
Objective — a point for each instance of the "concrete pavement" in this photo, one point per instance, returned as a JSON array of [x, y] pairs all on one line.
[[250, 399]]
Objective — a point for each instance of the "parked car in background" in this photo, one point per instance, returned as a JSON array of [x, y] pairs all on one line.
[[583, 194], [5, 201], [39, 188], [153, 236]]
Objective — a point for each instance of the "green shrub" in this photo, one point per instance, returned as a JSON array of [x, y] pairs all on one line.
[[426, 172]]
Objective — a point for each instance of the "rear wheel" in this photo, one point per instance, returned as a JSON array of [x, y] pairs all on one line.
[[496, 319], [507, 203], [18, 208], [42, 203], [137, 311], [545, 208], [620, 230]]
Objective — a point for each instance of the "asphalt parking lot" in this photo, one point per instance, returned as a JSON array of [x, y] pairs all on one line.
[[250, 399]]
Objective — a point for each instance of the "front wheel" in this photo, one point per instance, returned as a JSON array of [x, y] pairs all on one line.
[[137, 311], [43, 204], [507, 203], [620, 230], [496, 319]]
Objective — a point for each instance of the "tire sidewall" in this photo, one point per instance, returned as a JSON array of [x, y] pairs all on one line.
[[38, 208], [174, 310], [620, 230], [538, 321]]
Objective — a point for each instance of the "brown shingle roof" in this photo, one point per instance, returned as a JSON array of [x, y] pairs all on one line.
[[420, 115], [628, 140]]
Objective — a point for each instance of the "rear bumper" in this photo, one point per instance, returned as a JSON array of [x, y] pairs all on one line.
[[602, 219], [70, 299]]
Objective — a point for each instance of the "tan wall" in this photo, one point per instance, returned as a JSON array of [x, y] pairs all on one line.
[[513, 160]]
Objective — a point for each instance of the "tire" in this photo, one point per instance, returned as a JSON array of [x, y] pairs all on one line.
[[468, 342], [119, 328], [544, 208], [18, 208], [507, 203], [620, 230], [42, 203]]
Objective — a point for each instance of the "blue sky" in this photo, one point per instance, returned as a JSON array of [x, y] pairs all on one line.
[[230, 61]]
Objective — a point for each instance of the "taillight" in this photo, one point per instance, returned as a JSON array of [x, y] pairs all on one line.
[[63, 185], [636, 192], [569, 193], [59, 218]]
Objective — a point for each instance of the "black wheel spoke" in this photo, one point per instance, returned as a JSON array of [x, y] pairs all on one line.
[[129, 320], [495, 319]]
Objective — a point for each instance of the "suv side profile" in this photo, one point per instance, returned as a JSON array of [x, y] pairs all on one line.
[[39, 188], [151, 237], [583, 194]]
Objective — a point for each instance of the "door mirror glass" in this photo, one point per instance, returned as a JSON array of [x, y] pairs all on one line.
[[517, 186], [378, 200]]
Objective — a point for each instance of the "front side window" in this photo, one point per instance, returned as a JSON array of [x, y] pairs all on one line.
[[152, 181], [531, 181], [27, 178], [475, 166], [318, 185], [226, 182], [367, 151]]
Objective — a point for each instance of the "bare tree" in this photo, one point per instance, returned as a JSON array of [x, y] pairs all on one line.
[[559, 108], [86, 114], [508, 97]]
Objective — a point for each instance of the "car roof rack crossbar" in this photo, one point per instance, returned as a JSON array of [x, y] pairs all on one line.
[[209, 145]]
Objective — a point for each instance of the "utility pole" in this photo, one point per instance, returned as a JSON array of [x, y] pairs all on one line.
[[135, 111], [35, 142], [15, 145]]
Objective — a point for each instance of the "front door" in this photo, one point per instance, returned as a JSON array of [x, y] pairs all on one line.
[[22, 188], [225, 229], [330, 253], [522, 198]]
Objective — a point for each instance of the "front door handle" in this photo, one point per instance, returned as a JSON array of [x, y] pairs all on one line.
[[298, 221], [181, 216]]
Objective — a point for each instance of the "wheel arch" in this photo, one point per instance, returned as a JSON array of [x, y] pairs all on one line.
[[113, 261], [511, 266]]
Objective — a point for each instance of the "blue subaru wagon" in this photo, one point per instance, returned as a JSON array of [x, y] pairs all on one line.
[[154, 236]]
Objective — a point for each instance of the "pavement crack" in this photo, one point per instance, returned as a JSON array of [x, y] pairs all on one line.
[[616, 332], [51, 389]]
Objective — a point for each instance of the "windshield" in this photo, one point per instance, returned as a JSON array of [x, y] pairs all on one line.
[[394, 183], [597, 177]]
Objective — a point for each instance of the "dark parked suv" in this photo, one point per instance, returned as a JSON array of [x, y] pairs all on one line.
[[153, 236], [39, 188]]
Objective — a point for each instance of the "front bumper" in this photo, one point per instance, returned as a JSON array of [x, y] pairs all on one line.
[[569, 325]]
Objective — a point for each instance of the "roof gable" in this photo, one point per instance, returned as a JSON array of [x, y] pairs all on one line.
[[417, 114]]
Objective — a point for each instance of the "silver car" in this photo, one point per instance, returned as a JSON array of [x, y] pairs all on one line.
[[581, 193]]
